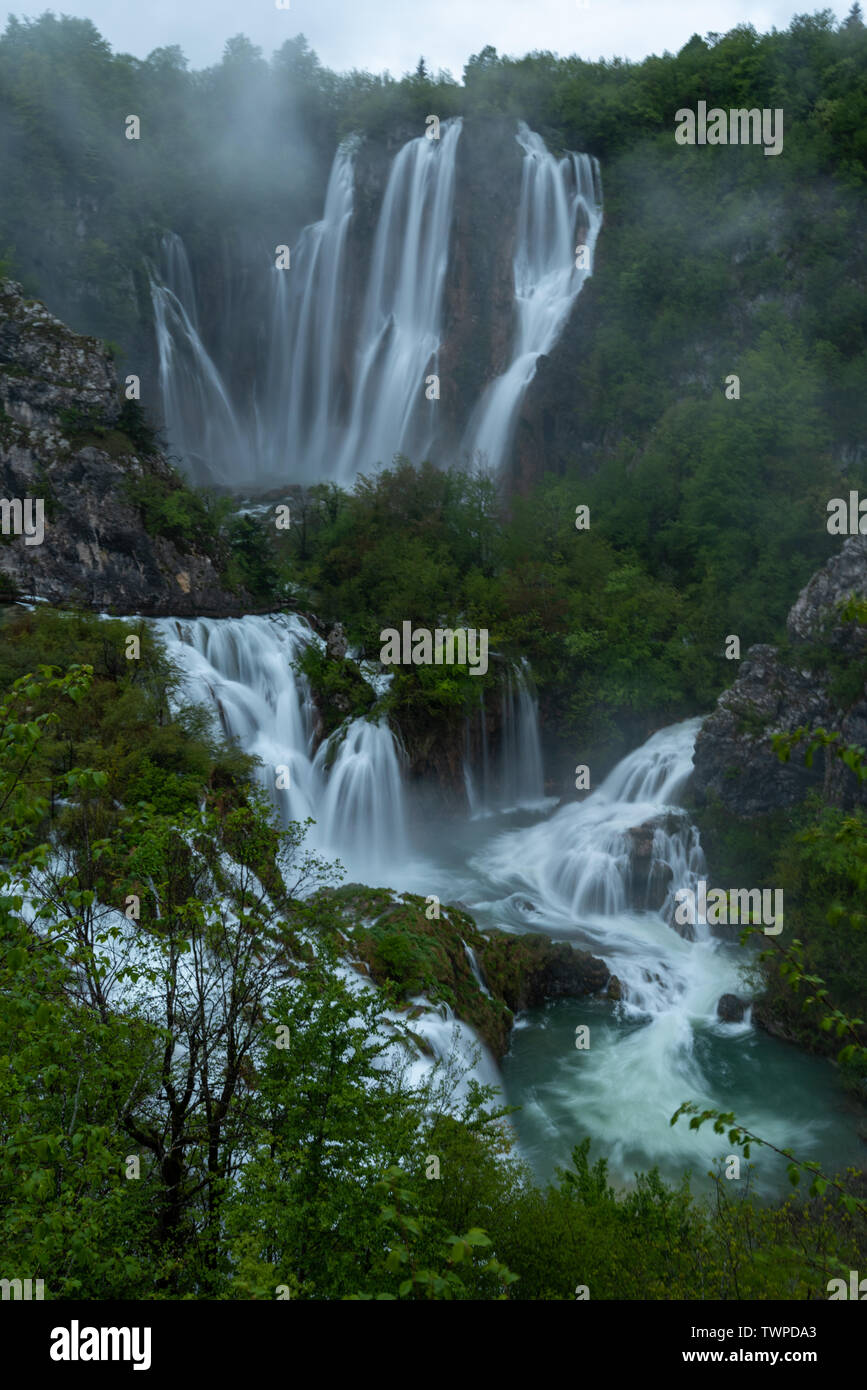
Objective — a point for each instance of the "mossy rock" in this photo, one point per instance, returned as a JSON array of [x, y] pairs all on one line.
[[409, 954], [528, 969], [339, 689]]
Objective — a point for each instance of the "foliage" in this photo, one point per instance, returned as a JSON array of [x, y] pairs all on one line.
[[339, 688], [281, 1149]]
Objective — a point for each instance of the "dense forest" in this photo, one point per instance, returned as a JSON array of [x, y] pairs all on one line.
[[304, 1169]]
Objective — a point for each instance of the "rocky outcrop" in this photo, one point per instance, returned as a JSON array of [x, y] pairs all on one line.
[[819, 679], [528, 969], [730, 1009], [478, 307], [649, 876], [64, 442], [485, 978], [391, 939]]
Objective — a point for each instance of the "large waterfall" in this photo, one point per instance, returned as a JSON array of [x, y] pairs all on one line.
[[561, 199], [202, 424], [313, 395], [571, 875], [401, 330], [321, 407], [298, 421], [241, 668]]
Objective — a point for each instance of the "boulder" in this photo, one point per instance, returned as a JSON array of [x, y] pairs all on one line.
[[525, 970], [730, 1008], [649, 880], [336, 642]]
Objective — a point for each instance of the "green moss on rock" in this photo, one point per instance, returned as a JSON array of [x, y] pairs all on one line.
[[526, 970], [408, 954]]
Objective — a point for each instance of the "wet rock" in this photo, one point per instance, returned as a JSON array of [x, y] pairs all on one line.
[[61, 443], [336, 642], [478, 295], [525, 970], [735, 765], [649, 880], [615, 989], [730, 1008]]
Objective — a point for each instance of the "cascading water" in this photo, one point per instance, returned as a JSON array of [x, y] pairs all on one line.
[[241, 668], [515, 777], [401, 332], [304, 421], [560, 199], [196, 407], [322, 406], [299, 420], [571, 875]]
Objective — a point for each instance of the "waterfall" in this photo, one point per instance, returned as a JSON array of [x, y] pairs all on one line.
[[362, 810], [304, 421], [241, 669], [561, 201], [200, 420], [299, 420], [577, 865], [402, 326], [522, 781], [313, 403], [515, 777], [571, 876]]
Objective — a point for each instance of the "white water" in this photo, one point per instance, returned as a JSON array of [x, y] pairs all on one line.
[[201, 420], [322, 407], [561, 200], [241, 669], [401, 330], [309, 401], [663, 1044], [567, 875], [299, 429], [513, 777]]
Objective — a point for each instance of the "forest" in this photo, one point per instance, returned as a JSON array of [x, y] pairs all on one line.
[[248, 1167]]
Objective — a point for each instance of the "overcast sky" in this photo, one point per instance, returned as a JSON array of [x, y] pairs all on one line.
[[391, 34]]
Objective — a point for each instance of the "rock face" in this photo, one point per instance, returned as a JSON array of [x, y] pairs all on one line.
[[650, 878], [62, 441], [527, 970], [730, 1009], [485, 979], [817, 681], [478, 303]]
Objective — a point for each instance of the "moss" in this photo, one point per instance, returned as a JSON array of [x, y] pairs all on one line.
[[741, 851], [339, 689], [750, 720], [409, 954]]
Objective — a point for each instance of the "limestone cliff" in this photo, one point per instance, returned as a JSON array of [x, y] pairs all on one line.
[[64, 441], [817, 679]]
